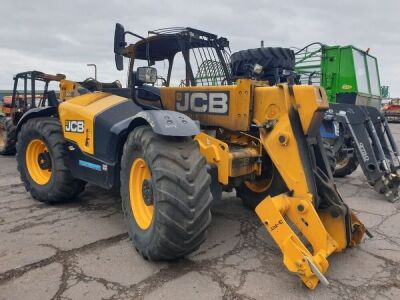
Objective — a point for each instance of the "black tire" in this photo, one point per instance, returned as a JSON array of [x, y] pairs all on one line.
[[345, 166], [8, 137], [62, 186], [251, 199], [269, 58], [180, 187], [330, 156]]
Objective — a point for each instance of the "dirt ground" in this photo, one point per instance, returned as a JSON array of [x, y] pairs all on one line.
[[81, 250]]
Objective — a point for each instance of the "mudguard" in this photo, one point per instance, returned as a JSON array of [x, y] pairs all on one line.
[[38, 112], [170, 123], [163, 122]]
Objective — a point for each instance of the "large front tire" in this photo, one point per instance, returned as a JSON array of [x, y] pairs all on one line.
[[42, 162], [165, 190]]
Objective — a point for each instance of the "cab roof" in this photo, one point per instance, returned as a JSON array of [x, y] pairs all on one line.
[[165, 43]]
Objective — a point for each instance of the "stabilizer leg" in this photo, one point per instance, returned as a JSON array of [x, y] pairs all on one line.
[[309, 266], [296, 257]]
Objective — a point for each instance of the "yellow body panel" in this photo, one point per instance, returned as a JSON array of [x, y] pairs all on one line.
[[273, 104], [270, 103], [238, 116], [273, 101], [336, 228], [85, 108], [286, 156], [218, 153], [306, 108], [271, 212], [69, 89]]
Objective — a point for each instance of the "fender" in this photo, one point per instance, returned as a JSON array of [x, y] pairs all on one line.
[[38, 112], [167, 122], [163, 122]]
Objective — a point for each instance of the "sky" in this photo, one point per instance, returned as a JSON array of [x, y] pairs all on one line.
[[63, 36]]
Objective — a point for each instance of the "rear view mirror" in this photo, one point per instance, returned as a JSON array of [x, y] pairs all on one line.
[[119, 45], [146, 74]]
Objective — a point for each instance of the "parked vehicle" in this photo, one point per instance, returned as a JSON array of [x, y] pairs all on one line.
[[350, 77]]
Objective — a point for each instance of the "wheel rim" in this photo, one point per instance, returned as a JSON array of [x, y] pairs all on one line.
[[342, 161], [38, 162], [139, 178], [260, 185]]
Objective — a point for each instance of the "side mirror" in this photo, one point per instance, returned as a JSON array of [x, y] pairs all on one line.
[[146, 75], [119, 45]]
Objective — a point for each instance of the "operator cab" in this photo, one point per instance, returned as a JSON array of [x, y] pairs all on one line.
[[188, 57]]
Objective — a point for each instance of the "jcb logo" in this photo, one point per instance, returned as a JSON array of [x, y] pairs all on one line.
[[201, 102], [74, 126]]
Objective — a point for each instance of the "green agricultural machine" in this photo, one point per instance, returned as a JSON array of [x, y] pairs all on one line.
[[349, 75], [354, 130]]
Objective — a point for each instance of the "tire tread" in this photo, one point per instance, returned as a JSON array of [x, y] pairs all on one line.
[[64, 186], [11, 139]]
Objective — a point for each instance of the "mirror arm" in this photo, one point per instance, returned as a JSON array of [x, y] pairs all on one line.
[[144, 39], [134, 34]]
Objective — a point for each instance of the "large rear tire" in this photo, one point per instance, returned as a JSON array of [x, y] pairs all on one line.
[[42, 162], [166, 197], [7, 136]]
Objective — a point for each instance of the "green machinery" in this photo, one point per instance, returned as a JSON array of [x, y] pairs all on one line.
[[348, 74], [385, 91], [354, 129]]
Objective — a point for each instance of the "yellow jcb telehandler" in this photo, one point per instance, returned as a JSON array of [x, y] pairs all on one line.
[[237, 121]]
